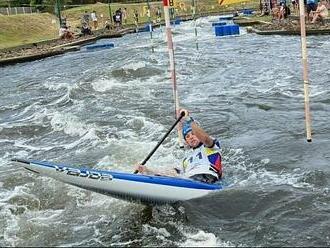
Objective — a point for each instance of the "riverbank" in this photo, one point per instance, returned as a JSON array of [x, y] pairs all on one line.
[[289, 26], [50, 48], [47, 48], [23, 29]]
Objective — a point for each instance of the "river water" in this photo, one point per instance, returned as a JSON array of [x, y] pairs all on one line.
[[107, 109]]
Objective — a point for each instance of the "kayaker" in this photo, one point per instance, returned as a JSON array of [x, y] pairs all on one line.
[[203, 159]]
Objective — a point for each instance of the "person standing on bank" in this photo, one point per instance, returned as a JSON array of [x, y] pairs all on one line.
[[202, 162], [85, 18], [94, 19], [125, 15]]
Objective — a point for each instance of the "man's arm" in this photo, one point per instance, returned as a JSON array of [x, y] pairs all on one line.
[[202, 135], [147, 171], [197, 130]]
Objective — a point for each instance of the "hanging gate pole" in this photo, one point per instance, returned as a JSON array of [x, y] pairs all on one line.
[[305, 70], [166, 4]]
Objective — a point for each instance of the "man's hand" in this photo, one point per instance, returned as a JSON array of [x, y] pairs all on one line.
[[141, 168], [186, 116]]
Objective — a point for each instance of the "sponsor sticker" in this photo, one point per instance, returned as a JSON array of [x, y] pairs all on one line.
[[83, 173]]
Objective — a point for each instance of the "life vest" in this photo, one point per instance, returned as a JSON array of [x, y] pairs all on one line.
[[203, 160]]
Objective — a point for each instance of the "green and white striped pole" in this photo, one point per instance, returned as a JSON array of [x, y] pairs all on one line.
[[58, 7]]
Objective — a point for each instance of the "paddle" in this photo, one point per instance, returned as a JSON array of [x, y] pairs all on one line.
[[161, 141]]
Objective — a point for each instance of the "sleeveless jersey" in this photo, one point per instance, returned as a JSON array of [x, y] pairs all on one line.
[[203, 160]]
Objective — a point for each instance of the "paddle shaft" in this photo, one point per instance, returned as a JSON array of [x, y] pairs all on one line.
[[161, 141]]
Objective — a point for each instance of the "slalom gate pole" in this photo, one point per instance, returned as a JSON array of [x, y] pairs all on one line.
[[150, 25], [305, 70], [166, 4], [193, 4]]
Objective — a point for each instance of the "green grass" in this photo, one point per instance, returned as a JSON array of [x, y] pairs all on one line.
[[24, 29]]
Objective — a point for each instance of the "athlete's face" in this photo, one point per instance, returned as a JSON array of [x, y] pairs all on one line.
[[192, 140]]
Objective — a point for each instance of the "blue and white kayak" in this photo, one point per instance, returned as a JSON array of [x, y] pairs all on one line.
[[126, 186]]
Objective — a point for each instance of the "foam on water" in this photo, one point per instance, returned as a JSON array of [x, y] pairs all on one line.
[[33, 113], [70, 124], [13, 204], [104, 85], [135, 65], [55, 86], [25, 144], [204, 239]]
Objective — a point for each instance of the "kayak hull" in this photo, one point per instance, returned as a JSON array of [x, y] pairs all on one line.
[[125, 186]]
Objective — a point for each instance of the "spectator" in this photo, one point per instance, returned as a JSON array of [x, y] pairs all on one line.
[[120, 12], [63, 21], [294, 5], [320, 13], [61, 32], [276, 12], [94, 19], [65, 33], [85, 18], [311, 6], [265, 10], [118, 18], [85, 29], [282, 2], [281, 13], [158, 14], [287, 11], [108, 25], [136, 17]]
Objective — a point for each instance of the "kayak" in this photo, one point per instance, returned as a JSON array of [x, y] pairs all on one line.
[[126, 186]]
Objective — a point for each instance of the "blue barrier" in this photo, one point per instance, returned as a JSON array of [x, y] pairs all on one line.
[[146, 28], [176, 22], [225, 30], [223, 18], [219, 31], [218, 24], [247, 12], [97, 46], [235, 29]]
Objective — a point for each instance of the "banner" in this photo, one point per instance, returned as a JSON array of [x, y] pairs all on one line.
[[227, 2]]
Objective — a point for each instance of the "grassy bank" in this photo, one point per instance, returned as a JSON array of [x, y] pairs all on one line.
[[25, 29]]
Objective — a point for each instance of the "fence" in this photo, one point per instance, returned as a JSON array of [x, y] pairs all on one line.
[[17, 10]]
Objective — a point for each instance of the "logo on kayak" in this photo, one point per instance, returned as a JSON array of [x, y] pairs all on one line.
[[84, 173]]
